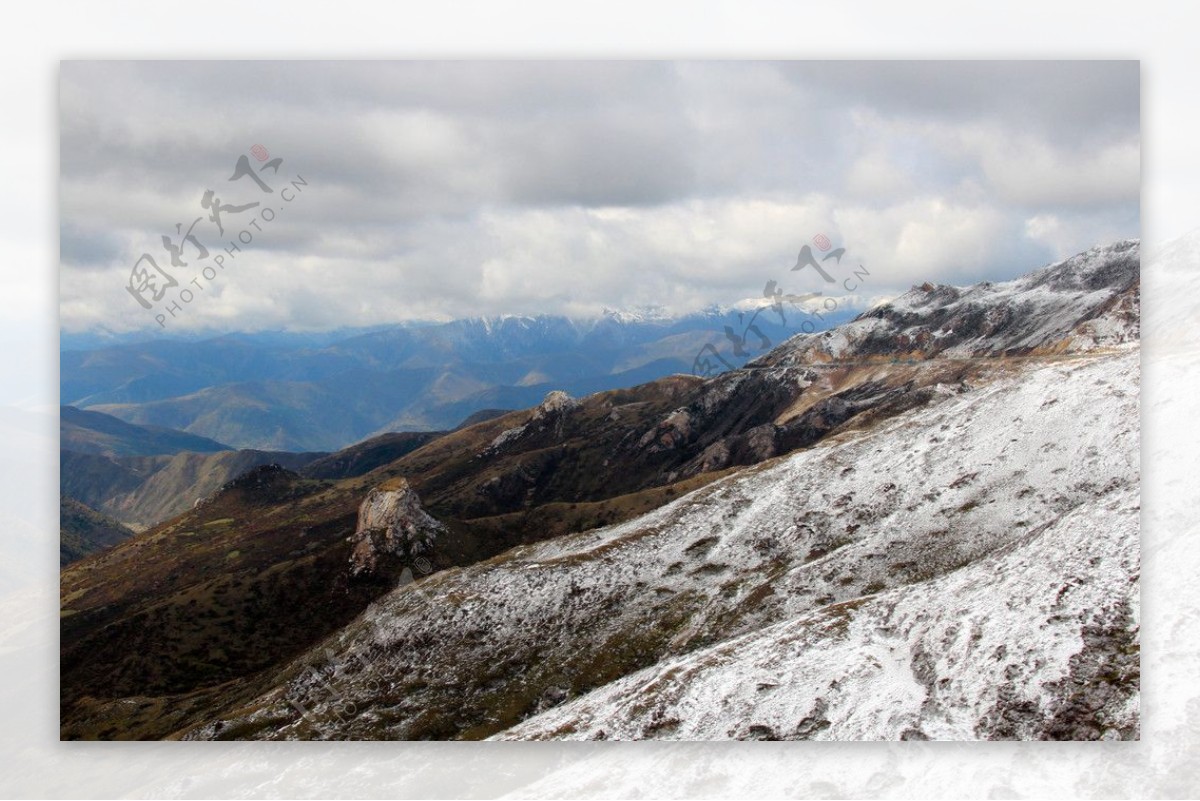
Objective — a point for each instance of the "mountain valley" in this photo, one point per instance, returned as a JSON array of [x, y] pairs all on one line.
[[798, 548]]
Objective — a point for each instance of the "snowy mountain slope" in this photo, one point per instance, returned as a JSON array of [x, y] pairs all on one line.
[[998, 649], [868, 541], [1085, 302], [814, 384]]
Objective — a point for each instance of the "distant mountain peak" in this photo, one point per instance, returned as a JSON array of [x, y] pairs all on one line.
[[652, 313], [1087, 301]]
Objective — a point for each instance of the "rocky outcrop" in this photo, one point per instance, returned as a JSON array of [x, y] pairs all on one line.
[[895, 357], [393, 531], [265, 483], [1086, 302], [556, 402], [550, 413]]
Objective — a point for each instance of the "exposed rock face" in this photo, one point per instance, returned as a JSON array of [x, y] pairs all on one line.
[[551, 412], [393, 528], [814, 384], [555, 402], [674, 431]]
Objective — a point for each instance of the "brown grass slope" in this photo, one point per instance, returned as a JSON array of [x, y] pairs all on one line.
[[189, 617], [84, 531]]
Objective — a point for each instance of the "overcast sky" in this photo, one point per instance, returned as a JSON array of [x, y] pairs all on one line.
[[454, 189]]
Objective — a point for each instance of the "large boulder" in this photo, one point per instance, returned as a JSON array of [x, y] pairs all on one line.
[[393, 530]]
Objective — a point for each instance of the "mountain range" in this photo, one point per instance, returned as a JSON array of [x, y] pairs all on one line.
[[134, 476], [303, 393], [921, 524]]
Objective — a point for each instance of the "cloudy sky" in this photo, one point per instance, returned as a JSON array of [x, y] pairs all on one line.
[[454, 189]]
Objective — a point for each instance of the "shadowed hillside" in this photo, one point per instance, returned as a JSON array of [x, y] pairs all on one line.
[[83, 531], [210, 597]]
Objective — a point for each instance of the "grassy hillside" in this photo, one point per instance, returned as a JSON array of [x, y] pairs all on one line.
[[143, 490], [84, 531], [197, 614]]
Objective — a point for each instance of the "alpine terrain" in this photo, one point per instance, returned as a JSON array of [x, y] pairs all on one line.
[[920, 524]]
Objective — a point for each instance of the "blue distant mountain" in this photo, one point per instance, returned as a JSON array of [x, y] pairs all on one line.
[[323, 391]]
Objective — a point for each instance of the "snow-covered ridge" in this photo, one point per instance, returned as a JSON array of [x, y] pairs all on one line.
[[1036, 641], [964, 570], [1086, 302]]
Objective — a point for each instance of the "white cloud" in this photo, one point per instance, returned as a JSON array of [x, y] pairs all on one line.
[[1025, 170], [877, 175], [452, 189]]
